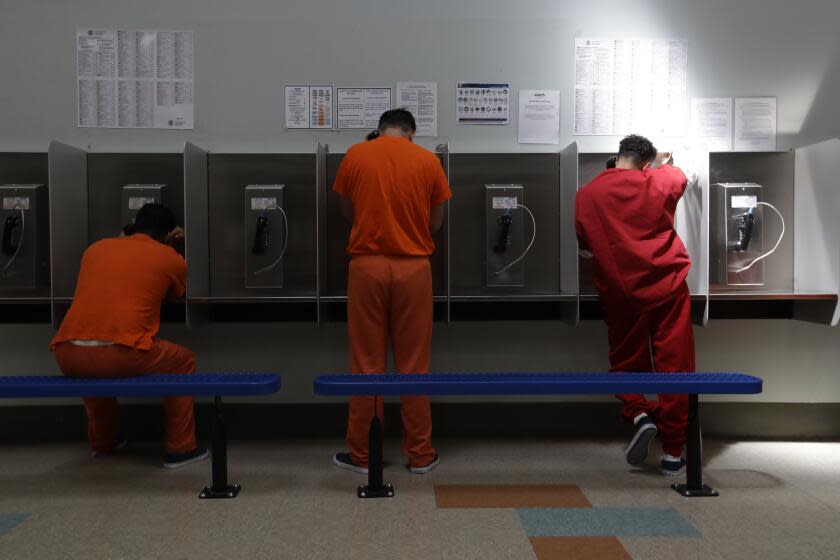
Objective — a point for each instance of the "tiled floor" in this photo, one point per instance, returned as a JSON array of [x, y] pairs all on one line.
[[538, 498]]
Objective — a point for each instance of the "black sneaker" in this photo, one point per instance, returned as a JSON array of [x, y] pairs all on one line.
[[178, 460], [672, 468], [343, 461], [637, 449], [121, 444], [428, 468]]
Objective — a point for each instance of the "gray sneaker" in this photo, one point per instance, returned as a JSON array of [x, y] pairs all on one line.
[[637, 449], [178, 460], [428, 468], [343, 461]]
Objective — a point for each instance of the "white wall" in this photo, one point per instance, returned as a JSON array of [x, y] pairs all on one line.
[[246, 50]]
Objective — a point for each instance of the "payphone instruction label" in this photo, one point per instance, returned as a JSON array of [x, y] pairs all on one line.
[[744, 201], [137, 202], [15, 203], [505, 202], [263, 203]]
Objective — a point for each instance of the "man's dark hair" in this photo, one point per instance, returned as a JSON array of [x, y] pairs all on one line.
[[155, 220], [637, 147], [398, 118]]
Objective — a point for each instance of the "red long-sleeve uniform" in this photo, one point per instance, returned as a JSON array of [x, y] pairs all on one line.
[[625, 218]]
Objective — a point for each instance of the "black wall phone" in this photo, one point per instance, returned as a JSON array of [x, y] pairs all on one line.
[[503, 239], [745, 224], [262, 236], [10, 226]]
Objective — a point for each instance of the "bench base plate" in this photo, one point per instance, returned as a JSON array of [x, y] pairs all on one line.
[[705, 492], [386, 491], [230, 491]]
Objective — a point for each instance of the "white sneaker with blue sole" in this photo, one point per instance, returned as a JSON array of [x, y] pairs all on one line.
[[672, 466]]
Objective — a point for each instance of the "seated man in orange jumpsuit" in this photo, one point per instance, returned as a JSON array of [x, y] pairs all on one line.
[[393, 192], [625, 219], [111, 328]]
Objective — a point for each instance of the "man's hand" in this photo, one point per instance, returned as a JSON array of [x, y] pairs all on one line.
[[347, 210], [436, 218], [174, 236], [663, 158]]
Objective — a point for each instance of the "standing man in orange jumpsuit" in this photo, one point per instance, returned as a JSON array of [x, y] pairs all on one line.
[[625, 219], [111, 328], [393, 192]]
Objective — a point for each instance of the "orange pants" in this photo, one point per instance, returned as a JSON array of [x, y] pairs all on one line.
[[390, 297], [122, 361], [660, 340]]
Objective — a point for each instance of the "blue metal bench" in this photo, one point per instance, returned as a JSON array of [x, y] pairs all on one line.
[[691, 384], [198, 385]]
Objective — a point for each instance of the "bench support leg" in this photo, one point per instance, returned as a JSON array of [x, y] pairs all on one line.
[[694, 487], [375, 488], [220, 487]]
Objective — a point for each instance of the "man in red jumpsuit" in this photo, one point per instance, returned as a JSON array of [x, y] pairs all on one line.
[[624, 218]]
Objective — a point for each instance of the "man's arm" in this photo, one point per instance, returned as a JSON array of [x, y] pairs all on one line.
[[347, 210], [177, 292], [583, 245], [171, 297], [441, 192], [436, 218], [343, 186], [687, 166]]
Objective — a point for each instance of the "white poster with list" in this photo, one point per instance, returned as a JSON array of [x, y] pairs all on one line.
[[630, 85], [134, 78]]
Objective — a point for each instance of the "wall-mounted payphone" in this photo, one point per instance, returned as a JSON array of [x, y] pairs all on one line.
[[135, 196], [266, 236], [24, 252], [737, 240], [506, 246]]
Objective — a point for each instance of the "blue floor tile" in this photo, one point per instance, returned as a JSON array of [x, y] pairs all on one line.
[[605, 522], [9, 521]]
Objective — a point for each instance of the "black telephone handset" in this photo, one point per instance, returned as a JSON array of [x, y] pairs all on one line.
[[262, 237], [503, 240], [745, 223], [12, 223]]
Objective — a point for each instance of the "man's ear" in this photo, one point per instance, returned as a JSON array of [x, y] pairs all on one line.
[[411, 136]]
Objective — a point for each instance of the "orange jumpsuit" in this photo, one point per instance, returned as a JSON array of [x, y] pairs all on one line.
[[393, 185], [122, 283]]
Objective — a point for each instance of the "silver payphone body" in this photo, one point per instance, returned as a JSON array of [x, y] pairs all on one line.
[[266, 236], [505, 235], [134, 197], [737, 243], [24, 255]]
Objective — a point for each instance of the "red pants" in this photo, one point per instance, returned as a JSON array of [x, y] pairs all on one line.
[[658, 340], [390, 298], [122, 361]]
